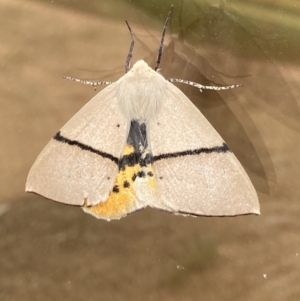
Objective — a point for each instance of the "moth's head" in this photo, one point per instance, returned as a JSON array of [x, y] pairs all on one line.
[[141, 67]]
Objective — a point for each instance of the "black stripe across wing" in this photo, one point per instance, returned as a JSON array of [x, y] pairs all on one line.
[[63, 139], [216, 149]]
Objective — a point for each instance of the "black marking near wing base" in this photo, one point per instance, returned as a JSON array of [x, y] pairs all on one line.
[[126, 184], [116, 189], [216, 149], [83, 146], [141, 174], [137, 139]]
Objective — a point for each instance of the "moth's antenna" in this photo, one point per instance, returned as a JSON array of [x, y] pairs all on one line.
[[129, 56], [87, 82], [161, 45], [201, 87]]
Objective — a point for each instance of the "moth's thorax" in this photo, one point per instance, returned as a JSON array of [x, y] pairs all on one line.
[[140, 92]]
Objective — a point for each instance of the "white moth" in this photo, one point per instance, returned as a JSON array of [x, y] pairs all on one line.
[[141, 142]]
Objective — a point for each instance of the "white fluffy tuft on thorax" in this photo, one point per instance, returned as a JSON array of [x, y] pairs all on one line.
[[140, 92]]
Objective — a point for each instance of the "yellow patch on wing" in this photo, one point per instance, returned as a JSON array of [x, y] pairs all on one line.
[[122, 199]]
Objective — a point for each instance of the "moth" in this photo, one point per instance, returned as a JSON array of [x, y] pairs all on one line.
[[141, 142]]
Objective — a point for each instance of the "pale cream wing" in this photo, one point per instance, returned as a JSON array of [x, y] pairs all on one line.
[[195, 172], [80, 164]]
